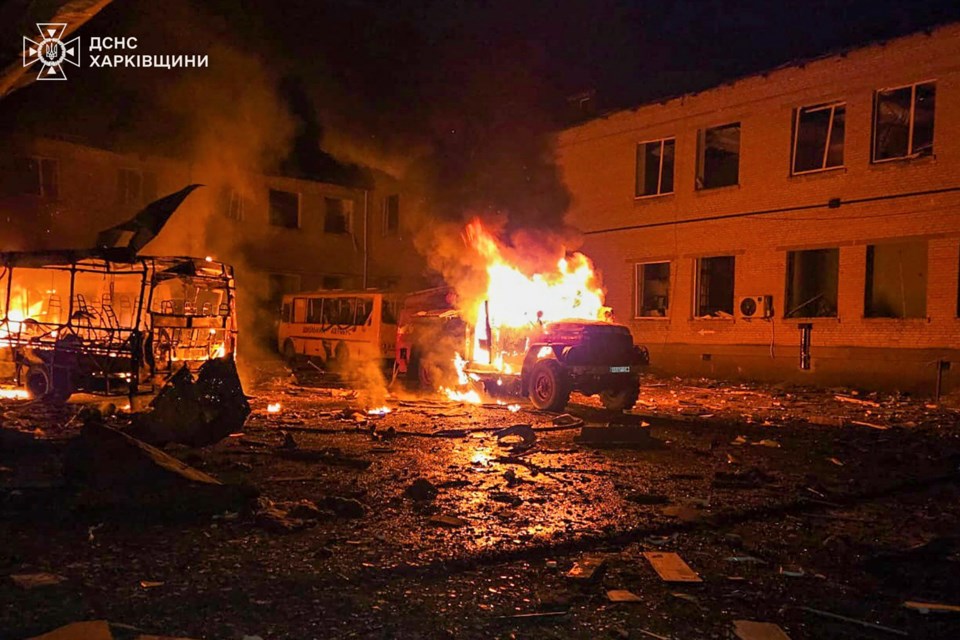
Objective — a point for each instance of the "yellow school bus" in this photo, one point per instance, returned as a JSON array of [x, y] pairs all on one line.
[[333, 328]]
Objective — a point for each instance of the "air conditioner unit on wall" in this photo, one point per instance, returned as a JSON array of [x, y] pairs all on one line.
[[751, 307]]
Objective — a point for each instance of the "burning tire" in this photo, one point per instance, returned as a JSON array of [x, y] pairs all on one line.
[[620, 399], [549, 386]]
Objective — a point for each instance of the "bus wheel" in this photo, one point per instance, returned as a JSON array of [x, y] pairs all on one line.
[[54, 387]]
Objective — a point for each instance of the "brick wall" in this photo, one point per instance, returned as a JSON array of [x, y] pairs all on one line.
[[598, 163]]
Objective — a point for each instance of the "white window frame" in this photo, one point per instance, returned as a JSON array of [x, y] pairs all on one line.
[[910, 127], [638, 289], [636, 177], [826, 147]]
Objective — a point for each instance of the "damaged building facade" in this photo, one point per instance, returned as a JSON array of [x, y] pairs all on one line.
[[282, 234], [801, 225]]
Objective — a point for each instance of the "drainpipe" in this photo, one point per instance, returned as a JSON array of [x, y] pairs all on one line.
[[366, 233]]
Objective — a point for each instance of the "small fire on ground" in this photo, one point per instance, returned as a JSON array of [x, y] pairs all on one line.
[[379, 411], [273, 407]]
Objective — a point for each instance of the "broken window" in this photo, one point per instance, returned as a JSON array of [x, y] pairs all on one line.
[[391, 215], [812, 279], [332, 282], [718, 151], [284, 209], [818, 137], [896, 284], [31, 176], [655, 167], [232, 204], [339, 215], [653, 289], [715, 287], [136, 187], [903, 122], [315, 311]]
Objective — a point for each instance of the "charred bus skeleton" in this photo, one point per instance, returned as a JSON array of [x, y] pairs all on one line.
[[109, 320], [72, 322]]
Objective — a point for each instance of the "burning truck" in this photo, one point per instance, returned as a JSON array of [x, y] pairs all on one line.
[[107, 319], [542, 336]]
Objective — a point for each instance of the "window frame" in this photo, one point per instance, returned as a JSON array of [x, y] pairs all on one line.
[[699, 183], [387, 230], [638, 289], [348, 216], [299, 210], [911, 125], [787, 284], [697, 275], [832, 105], [636, 169], [869, 312]]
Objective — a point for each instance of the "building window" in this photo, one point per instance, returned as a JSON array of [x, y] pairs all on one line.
[[279, 285], [391, 215], [339, 216], [896, 284], [903, 122], [332, 282], [718, 161], [284, 209], [655, 167], [136, 187], [818, 137], [715, 287], [812, 279], [232, 204], [653, 290]]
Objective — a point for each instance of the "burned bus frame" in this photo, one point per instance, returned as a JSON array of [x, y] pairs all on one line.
[[91, 347]]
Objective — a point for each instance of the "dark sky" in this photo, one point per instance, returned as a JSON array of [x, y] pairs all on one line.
[[479, 84]]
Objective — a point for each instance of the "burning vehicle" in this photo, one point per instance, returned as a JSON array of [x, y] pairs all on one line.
[[542, 336], [108, 320]]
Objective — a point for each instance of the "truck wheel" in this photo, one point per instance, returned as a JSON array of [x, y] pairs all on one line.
[[549, 386], [621, 399]]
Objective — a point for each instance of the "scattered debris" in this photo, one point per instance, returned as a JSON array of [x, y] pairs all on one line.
[[771, 444], [621, 436], [747, 479], [333, 457], [91, 630], [684, 513], [518, 437], [750, 630], [865, 403], [195, 413], [640, 497], [540, 615], [862, 623], [872, 425], [931, 607], [588, 568], [671, 567], [34, 580], [621, 595], [448, 521], [119, 470], [421, 489]]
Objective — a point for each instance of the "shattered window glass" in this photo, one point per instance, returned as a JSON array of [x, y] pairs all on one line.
[[715, 277], [896, 282], [818, 137], [655, 167], [719, 157], [903, 122], [812, 283], [653, 290]]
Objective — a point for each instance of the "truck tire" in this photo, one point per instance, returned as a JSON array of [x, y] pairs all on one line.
[[620, 399], [549, 386]]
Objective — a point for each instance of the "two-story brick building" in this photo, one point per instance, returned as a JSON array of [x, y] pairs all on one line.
[[282, 234], [799, 225]]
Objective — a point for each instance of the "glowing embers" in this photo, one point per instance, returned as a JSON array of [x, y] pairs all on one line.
[[9, 393], [274, 407], [379, 411]]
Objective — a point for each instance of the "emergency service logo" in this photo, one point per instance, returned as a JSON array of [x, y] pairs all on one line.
[[51, 51]]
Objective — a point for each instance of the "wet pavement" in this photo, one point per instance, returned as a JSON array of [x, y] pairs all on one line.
[[785, 515]]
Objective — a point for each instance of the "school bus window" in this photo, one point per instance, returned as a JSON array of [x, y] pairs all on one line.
[[364, 309], [299, 309], [285, 312], [315, 313], [348, 310]]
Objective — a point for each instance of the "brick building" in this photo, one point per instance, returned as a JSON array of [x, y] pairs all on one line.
[[799, 225], [282, 234]]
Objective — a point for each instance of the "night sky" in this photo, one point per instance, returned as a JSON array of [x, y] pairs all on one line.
[[471, 89]]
